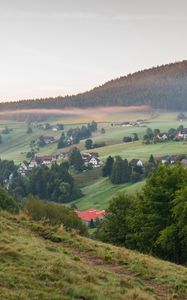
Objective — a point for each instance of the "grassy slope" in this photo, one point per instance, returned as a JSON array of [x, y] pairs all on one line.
[[32, 267], [99, 193], [141, 151]]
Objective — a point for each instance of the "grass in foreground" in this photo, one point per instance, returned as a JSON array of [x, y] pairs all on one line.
[[33, 266]]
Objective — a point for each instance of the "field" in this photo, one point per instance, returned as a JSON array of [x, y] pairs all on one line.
[[33, 267], [16, 144], [97, 191]]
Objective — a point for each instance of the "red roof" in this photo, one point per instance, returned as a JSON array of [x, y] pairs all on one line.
[[91, 214]]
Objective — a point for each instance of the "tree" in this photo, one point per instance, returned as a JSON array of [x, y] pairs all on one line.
[[29, 130], [127, 139], [151, 159], [88, 144], [76, 160], [158, 206], [172, 133], [92, 126], [155, 220], [41, 142], [149, 133], [7, 202], [107, 169], [135, 138], [62, 141], [180, 128], [120, 171], [156, 132], [116, 226]]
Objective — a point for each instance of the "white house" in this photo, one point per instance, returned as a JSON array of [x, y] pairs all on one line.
[[33, 164], [182, 134], [23, 169]]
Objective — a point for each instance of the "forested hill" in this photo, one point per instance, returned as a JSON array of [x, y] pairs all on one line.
[[163, 87]]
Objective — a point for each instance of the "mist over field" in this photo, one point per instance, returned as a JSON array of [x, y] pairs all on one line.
[[98, 114]]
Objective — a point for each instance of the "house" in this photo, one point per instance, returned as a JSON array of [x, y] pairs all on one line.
[[175, 158], [95, 162], [136, 163], [162, 137], [184, 162], [182, 134], [48, 139], [23, 169], [91, 158], [126, 124], [32, 164], [41, 160], [91, 215], [165, 159], [45, 160]]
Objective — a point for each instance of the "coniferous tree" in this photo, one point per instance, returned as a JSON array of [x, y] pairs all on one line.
[[88, 144], [107, 169], [76, 159]]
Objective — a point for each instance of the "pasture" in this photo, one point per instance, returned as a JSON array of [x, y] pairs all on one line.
[[100, 193], [97, 191]]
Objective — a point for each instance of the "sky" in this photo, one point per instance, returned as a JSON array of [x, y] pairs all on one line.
[[59, 47]]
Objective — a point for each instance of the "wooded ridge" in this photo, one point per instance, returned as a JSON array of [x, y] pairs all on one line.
[[162, 87]]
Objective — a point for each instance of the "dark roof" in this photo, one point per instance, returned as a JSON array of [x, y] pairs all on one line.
[[184, 131], [42, 158]]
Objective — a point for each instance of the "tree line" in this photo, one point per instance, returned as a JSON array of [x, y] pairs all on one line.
[[52, 184], [120, 170], [74, 135]]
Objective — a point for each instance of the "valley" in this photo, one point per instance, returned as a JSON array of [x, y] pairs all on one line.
[[97, 191]]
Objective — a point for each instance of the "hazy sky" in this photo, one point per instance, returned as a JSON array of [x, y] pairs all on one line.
[[59, 47]]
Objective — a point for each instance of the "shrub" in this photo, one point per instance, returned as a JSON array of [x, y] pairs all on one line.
[[56, 214]]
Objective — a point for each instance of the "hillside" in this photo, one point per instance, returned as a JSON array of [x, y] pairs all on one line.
[[40, 262], [162, 87]]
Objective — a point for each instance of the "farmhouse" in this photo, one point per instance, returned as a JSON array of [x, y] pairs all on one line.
[[32, 164], [184, 162], [23, 169], [41, 160], [91, 158], [182, 134], [91, 215], [44, 160], [136, 163], [48, 139], [165, 159], [162, 137]]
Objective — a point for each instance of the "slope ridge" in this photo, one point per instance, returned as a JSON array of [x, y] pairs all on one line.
[[42, 262], [163, 87]]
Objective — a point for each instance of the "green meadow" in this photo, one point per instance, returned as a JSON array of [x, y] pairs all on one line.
[[99, 194], [97, 190]]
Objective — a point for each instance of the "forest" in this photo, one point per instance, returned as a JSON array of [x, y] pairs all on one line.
[[162, 87]]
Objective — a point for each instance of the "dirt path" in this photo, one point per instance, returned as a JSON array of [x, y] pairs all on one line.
[[160, 291]]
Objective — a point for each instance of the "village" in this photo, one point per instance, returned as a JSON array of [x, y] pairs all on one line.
[[91, 159]]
